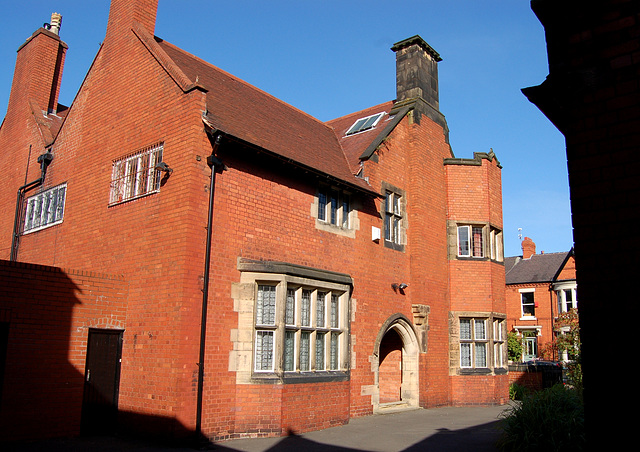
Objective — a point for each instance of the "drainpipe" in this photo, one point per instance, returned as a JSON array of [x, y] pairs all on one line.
[[216, 165], [44, 160]]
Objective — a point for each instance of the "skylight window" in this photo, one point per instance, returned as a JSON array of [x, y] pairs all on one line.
[[365, 123]]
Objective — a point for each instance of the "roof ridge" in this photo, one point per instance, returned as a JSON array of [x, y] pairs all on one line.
[[161, 42], [239, 80], [163, 59]]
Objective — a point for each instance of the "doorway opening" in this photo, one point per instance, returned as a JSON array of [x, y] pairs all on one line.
[[101, 381], [395, 363]]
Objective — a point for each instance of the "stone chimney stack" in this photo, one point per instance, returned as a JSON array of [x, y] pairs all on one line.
[[528, 248], [417, 71]]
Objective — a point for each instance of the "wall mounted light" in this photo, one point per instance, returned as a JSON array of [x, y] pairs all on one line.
[[162, 166], [399, 287]]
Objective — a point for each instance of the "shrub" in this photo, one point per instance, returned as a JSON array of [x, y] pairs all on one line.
[[551, 419], [517, 392], [514, 346]]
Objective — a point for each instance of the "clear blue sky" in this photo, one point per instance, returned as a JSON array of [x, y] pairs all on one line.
[[329, 58]]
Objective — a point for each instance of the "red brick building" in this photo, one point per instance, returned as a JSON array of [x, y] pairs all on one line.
[[277, 273], [538, 288]]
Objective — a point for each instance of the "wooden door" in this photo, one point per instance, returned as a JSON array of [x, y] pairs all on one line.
[[101, 381]]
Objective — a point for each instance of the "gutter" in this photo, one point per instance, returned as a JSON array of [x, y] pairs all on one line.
[[44, 160], [216, 165]]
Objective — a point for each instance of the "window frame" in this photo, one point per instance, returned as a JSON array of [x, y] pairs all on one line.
[[531, 305], [561, 291], [481, 344], [33, 207], [135, 175], [365, 123], [475, 241], [334, 208], [298, 338], [474, 234], [313, 350], [393, 217]]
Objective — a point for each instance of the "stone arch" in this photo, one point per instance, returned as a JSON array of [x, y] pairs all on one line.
[[397, 342]]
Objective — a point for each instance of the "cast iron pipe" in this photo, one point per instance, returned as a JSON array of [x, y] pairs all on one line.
[[44, 160], [215, 164]]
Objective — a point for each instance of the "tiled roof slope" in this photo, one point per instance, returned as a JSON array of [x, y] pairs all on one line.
[[538, 268], [354, 145], [241, 110]]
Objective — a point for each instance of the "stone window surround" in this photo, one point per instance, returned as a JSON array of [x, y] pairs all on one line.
[[402, 235], [492, 240], [243, 338], [454, 343], [323, 225]]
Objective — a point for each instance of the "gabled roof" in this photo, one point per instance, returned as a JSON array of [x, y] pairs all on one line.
[[243, 111], [539, 268], [355, 145]]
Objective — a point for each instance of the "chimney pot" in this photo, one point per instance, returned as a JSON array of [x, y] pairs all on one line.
[[56, 23]]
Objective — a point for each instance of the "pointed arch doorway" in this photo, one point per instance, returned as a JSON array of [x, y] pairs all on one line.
[[395, 364]]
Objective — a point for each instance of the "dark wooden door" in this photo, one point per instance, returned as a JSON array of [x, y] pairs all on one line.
[[101, 381]]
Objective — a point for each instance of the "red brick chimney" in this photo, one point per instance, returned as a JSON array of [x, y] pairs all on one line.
[[528, 248], [123, 13], [38, 70]]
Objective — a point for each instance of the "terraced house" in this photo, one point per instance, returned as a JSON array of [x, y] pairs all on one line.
[[211, 260]]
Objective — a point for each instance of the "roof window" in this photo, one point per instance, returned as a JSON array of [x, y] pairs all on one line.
[[365, 123]]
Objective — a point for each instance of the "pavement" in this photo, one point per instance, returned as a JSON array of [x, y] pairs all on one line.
[[444, 429]]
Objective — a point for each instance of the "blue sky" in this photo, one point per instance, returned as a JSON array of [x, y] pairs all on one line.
[[330, 58]]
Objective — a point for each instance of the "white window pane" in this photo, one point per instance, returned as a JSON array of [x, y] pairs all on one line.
[[320, 337], [346, 209], [322, 206], [266, 305], [334, 351], [465, 355], [478, 246], [463, 241], [320, 309], [335, 316], [305, 308], [479, 330], [289, 351], [44, 209], [264, 350], [290, 307], [465, 329], [305, 350], [481, 354], [136, 175]]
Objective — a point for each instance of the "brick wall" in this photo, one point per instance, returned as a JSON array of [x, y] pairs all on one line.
[[263, 210], [49, 312]]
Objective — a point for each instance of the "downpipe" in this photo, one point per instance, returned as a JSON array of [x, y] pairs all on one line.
[[216, 166], [45, 161]]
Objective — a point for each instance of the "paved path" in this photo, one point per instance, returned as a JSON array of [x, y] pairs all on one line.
[[446, 429]]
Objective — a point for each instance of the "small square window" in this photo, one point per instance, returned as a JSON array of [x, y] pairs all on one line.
[[334, 207], [470, 241]]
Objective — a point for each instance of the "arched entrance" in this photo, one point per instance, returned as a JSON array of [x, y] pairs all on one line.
[[395, 363]]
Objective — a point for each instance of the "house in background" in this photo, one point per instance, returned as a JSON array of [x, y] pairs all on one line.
[[267, 272], [538, 288]]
